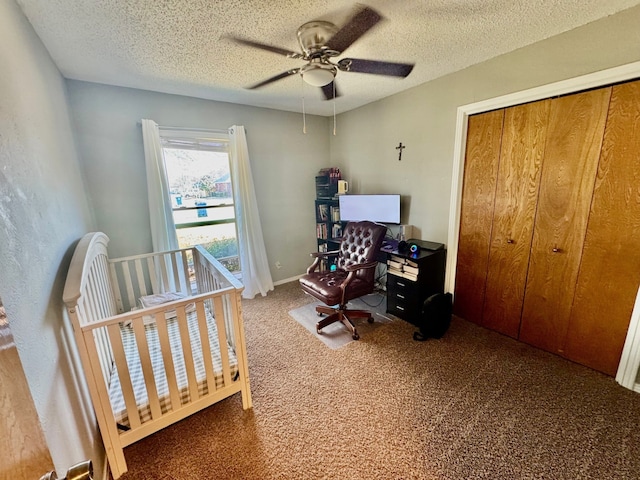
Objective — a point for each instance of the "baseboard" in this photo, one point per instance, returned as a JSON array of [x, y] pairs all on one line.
[[287, 280]]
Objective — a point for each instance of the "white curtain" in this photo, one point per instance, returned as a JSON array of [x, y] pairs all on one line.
[[256, 276], [163, 229]]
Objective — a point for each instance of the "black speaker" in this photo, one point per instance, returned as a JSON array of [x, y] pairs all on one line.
[[403, 247]]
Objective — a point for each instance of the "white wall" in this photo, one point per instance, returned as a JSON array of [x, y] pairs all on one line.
[[43, 212], [424, 118], [284, 163]]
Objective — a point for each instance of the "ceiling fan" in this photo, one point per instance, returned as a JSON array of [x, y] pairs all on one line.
[[320, 41]]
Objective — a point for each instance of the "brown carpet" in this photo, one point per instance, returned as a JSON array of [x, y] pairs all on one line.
[[474, 404]]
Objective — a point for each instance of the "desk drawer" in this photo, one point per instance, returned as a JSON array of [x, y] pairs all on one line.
[[403, 307], [402, 284]]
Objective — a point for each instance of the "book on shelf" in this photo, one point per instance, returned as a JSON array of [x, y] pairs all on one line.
[[403, 267], [404, 261], [400, 273], [335, 213], [321, 230], [323, 212], [410, 269], [394, 264], [336, 231]]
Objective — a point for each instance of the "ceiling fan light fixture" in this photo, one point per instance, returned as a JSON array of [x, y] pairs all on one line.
[[318, 75]]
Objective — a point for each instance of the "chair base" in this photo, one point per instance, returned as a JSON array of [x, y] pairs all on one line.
[[343, 315]]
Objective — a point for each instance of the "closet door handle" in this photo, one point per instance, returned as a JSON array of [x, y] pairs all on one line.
[[556, 250], [510, 240]]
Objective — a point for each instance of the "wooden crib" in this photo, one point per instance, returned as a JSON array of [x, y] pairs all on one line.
[[149, 330]]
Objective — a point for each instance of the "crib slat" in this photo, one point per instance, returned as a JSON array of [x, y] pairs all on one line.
[[176, 272], [147, 367], [222, 339], [94, 295], [142, 286], [127, 280], [167, 358], [165, 274], [151, 266], [105, 291], [187, 353], [185, 269], [92, 307], [206, 345], [124, 375], [116, 284], [228, 319]]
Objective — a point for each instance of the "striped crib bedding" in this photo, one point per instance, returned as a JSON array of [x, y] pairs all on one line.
[[133, 361]]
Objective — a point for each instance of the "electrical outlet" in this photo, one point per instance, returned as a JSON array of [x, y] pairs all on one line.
[[278, 265]]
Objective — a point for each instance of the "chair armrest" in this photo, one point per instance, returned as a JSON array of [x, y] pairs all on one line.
[[352, 269], [324, 254], [319, 256], [359, 266]]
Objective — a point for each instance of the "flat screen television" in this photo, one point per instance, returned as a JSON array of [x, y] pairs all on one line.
[[375, 208]]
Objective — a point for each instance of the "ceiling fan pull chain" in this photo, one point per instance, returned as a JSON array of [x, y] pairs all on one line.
[[334, 108], [304, 120]]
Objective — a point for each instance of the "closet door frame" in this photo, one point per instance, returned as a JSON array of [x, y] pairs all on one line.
[[630, 359]]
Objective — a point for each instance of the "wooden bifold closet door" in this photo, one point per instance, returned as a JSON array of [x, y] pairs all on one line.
[[476, 212], [523, 140], [574, 139], [552, 258], [610, 269]]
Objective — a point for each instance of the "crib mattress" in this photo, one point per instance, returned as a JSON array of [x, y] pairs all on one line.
[[135, 369]]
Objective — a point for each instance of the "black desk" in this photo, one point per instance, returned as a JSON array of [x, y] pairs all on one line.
[[412, 278]]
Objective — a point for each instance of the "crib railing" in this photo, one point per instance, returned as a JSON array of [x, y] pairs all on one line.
[[101, 294]]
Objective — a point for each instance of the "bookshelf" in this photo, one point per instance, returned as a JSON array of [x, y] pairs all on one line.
[[328, 224]]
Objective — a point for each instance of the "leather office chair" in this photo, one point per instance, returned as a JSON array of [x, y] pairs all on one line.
[[353, 277]]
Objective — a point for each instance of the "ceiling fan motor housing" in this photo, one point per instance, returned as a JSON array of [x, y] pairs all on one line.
[[313, 36]]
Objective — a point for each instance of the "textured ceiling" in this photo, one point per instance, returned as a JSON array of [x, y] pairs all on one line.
[[177, 46]]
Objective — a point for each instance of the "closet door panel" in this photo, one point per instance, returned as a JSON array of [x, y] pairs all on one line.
[[479, 188], [523, 141], [574, 141], [610, 269]]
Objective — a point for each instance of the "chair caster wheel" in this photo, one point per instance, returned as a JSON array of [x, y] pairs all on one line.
[[355, 336], [318, 331], [319, 314], [370, 319]]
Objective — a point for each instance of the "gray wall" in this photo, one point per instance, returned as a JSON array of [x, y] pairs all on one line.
[[43, 212], [424, 118], [44, 208], [284, 162]]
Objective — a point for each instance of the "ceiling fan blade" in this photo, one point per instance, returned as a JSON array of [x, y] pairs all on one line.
[[375, 67], [275, 78], [359, 24], [328, 91], [264, 46]]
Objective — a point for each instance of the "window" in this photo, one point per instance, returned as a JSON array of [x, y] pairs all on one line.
[[199, 177]]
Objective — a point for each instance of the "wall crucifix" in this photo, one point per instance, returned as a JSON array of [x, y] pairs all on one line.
[[400, 147]]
